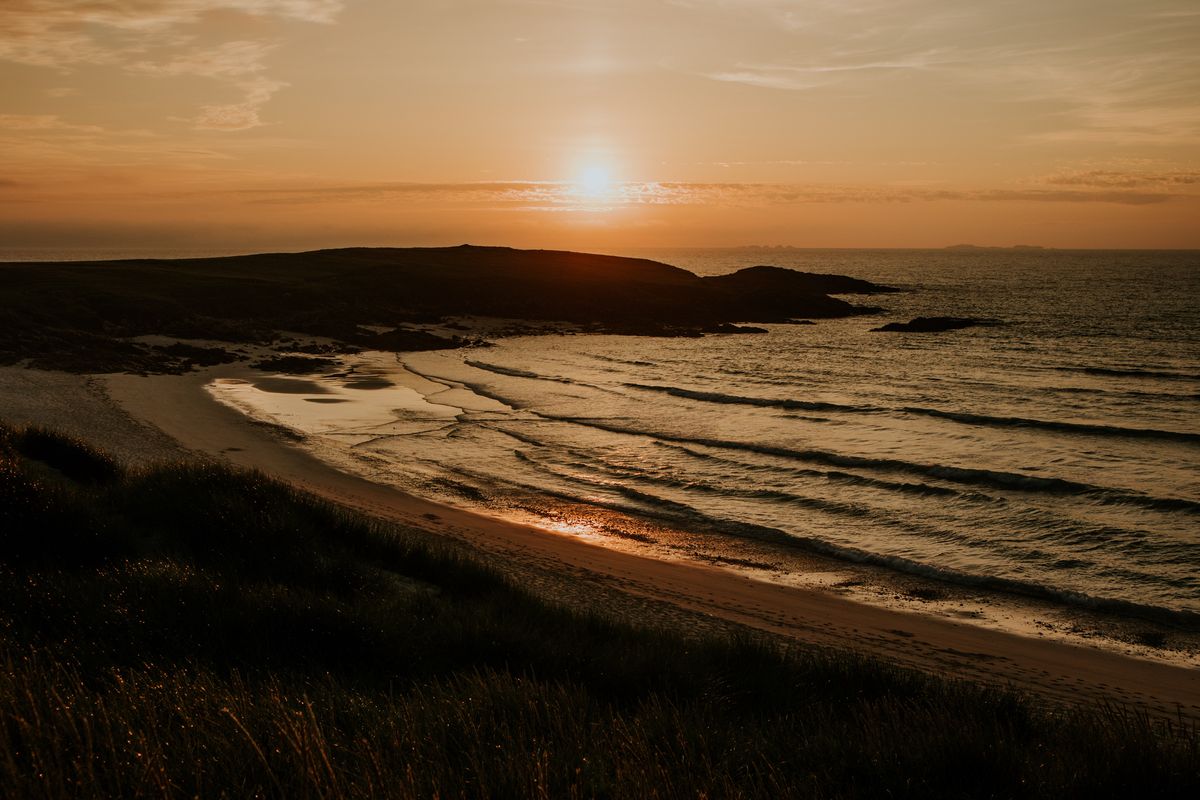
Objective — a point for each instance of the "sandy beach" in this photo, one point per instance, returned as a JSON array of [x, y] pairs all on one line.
[[612, 400], [672, 592]]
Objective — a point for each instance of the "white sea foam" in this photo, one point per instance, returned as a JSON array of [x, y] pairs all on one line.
[[1053, 456]]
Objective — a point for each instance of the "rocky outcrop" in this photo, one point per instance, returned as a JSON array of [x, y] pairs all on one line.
[[100, 308], [934, 324]]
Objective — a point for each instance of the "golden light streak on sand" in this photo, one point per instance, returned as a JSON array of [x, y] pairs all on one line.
[[1062, 673]]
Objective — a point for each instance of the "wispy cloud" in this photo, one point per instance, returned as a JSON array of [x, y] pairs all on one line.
[[812, 75], [231, 60], [155, 38], [1125, 178], [43, 122], [1109, 71], [562, 196], [239, 116], [45, 150]]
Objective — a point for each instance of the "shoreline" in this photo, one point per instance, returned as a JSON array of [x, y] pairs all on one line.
[[764, 554], [1062, 673]]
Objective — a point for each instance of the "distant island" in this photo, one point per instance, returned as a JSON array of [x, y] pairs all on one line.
[[102, 316], [997, 247]]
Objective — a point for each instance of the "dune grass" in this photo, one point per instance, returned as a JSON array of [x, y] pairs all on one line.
[[195, 631]]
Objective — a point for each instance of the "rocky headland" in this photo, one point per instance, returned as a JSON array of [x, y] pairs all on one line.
[[130, 315]]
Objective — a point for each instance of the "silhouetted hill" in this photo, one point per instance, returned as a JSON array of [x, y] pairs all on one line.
[[775, 290], [81, 314]]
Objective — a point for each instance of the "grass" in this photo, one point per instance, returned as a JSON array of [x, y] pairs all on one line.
[[200, 632]]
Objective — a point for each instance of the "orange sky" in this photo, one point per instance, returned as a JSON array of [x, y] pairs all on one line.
[[601, 124]]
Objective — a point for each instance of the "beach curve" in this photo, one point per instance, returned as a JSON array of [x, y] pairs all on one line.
[[1061, 673]]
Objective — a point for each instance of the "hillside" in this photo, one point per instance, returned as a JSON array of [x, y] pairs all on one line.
[[82, 315], [197, 631]]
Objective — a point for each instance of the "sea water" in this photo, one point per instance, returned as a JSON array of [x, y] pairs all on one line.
[[1056, 454]]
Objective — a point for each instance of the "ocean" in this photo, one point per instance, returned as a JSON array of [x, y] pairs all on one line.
[[1055, 455]]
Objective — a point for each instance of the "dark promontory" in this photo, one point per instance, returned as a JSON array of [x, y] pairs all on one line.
[[85, 315]]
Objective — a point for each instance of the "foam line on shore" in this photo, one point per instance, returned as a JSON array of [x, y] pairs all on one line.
[[964, 475], [674, 511], [1048, 666], [1091, 429]]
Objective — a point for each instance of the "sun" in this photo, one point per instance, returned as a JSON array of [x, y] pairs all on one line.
[[594, 181]]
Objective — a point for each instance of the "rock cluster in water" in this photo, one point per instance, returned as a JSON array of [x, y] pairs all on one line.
[[933, 324]]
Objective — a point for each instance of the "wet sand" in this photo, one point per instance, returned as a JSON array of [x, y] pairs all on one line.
[[179, 407]]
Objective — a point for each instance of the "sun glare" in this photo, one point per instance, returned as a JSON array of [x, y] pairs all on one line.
[[594, 182]]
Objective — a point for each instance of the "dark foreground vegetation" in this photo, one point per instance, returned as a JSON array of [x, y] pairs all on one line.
[[197, 631], [85, 317]]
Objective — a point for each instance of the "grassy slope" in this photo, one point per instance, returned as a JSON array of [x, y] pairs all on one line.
[[198, 631]]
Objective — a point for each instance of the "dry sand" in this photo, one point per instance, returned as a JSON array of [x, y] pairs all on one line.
[[77, 405], [583, 573]]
